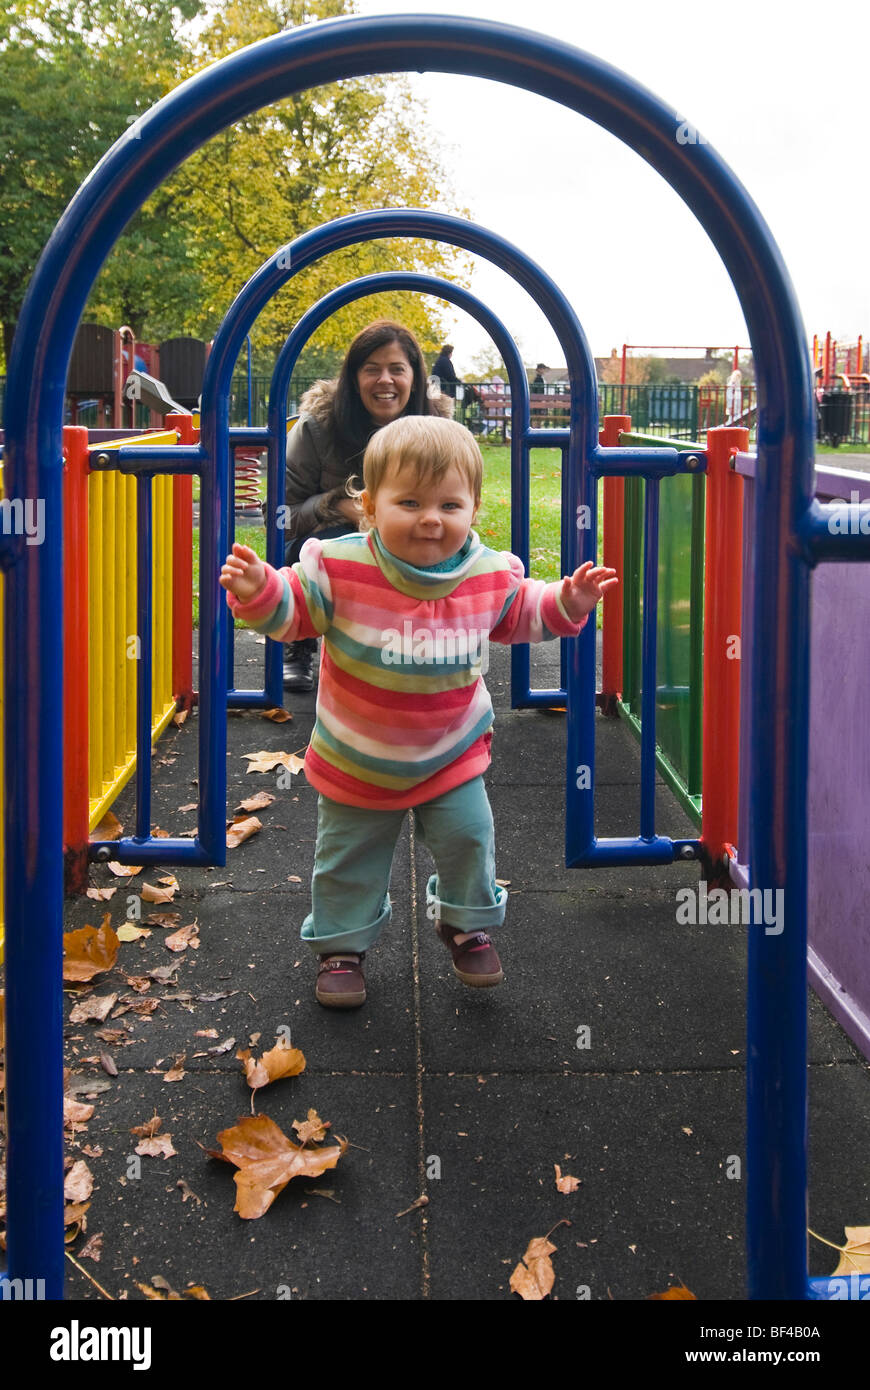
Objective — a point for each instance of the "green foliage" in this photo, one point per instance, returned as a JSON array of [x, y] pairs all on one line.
[[75, 73]]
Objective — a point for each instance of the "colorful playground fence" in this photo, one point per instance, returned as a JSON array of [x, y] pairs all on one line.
[[101, 640]]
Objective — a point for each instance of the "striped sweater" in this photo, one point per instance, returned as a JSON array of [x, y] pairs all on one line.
[[403, 714]]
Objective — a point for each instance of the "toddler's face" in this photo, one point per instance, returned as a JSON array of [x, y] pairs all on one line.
[[422, 523]]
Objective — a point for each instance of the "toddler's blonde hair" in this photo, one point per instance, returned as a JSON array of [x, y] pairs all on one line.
[[428, 444]]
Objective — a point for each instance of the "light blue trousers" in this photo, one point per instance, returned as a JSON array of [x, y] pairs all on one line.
[[350, 900]]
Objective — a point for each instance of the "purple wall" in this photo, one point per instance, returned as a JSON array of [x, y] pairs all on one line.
[[839, 788]]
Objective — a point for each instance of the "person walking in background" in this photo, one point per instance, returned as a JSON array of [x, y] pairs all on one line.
[[445, 371]]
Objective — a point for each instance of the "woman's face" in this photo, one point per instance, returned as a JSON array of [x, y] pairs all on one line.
[[385, 380]]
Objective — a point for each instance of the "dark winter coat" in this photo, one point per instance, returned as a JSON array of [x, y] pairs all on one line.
[[317, 471]]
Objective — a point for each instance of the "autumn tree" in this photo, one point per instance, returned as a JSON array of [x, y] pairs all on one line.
[[73, 75]]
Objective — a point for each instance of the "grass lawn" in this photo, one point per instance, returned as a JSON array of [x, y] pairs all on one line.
[[493, 520]]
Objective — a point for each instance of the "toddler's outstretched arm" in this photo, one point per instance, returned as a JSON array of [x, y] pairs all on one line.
[[581, 590], [243, 573]]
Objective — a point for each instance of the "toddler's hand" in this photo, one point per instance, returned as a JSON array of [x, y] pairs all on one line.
[[581, 591], [243, 573]]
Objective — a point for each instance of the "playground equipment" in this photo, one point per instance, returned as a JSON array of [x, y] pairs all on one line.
[[795, 531]]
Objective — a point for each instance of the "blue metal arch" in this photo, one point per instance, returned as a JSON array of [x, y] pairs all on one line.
[[123, 179]]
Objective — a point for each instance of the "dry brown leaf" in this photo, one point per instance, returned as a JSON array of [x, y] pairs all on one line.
[[108, 1065], [140, 983], [220, 1048], [109, 828], [124, 870], [180, 716], [272, 1066], [94, 1248], [312, 1129], [139, 1006], [566, 1183], [267, 1160], [89, 951], [278, 714], [129, 932], [158, 1146], [176, 1071], [206, 1033], [534, 1278], [415, 1206], [184, 937], [151, 894], [855, 1254], [74, 1212], [673, 1291], [197, 1291], [242, 830], [96, 1008], [163, 919], [102, 894], [265, 760], [151, 1293], [78, 1183], [163, 974], [149, 1129], [190, 806], [187, 1192], [75, 1112], [256, 802]]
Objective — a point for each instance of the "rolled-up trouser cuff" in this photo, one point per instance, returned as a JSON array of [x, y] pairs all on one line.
[[360, 939], [462, 917]]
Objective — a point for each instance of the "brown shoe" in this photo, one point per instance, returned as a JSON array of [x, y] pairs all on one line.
[[476, 960], [340, 981]]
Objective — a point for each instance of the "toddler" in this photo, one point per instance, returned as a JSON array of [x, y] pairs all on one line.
[[406, 608]]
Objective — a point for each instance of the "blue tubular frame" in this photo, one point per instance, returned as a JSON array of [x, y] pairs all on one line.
[[795, 535]]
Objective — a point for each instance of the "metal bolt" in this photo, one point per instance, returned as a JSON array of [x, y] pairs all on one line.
[[103, 854], [101, 460], [687, 852], [693, 462]]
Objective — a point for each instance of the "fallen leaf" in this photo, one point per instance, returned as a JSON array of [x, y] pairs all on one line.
[[673, 1291], [267, 1160], [115, 1037], [140, 983], [149, 1292], [149, 1129], [129, 932], [257, 801], [566, 1184], [221, 1047], [78, 1183], [102, 894], [266, 760], [280, 715], [124, 870], [89, 951], [242, 830], [272, 1066], [142, 1007], [187, 1192], [109, 828], [190, 806], [686, 1129], [197, 1291], [206, 1033], [163, 919], [95, 1007], [108, 1065], [150, 894], [88, 1086], [534, 1277], [415, 1206], [855, 1254], [180, 716], [184, 937], [93, 1150], [176, 1071], [73, 1212], [312, 1129], [163, 974], [75, 1112], [93, 1250], [158, 1146]]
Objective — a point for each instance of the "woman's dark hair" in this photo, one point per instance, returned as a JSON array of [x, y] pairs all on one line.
[[353, 425]]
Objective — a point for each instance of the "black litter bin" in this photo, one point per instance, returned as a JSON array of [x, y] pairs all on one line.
[[835, 416]]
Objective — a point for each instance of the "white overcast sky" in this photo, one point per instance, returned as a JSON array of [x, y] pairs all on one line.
[[778, 89]]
